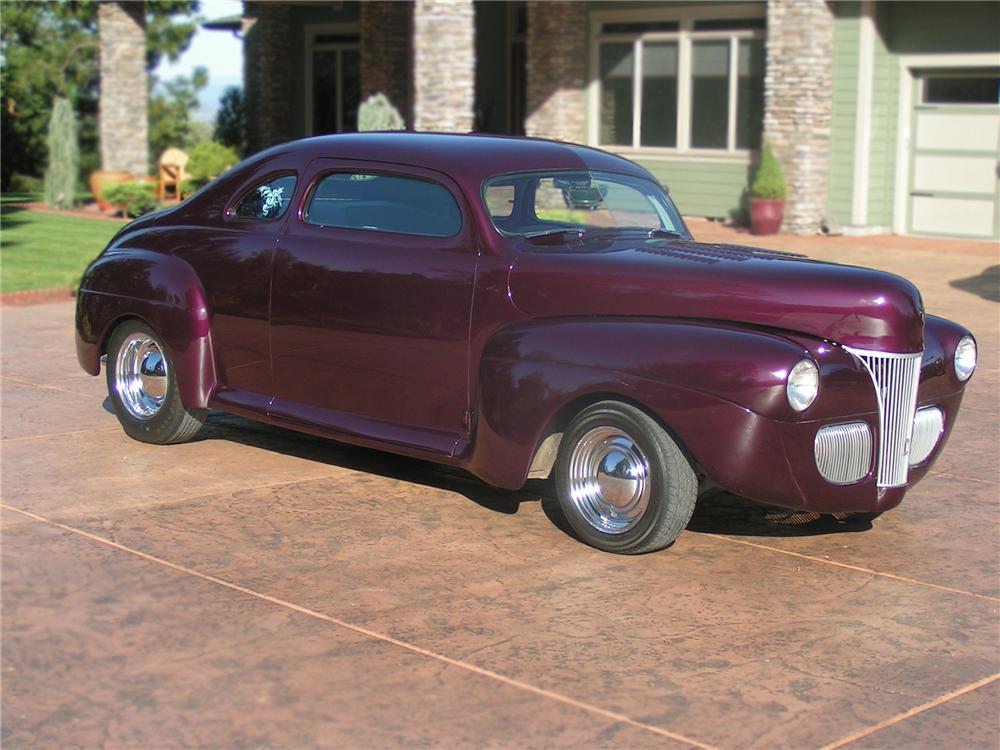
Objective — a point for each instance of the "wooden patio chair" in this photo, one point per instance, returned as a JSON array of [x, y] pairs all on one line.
[[172, 174]]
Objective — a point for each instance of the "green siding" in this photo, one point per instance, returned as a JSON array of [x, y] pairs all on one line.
[[900, 28], [884, 125], [712, 190], [844, 108], [928, 27]]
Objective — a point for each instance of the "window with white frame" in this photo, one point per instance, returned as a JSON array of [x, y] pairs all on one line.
[[333, 78], [680, 84]]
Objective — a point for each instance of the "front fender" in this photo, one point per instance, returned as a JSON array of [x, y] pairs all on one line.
[[743, 366], [696, 377], [164, 292]]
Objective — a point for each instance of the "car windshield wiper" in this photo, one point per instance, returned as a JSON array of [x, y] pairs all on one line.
[[653, 233], [575, 232]]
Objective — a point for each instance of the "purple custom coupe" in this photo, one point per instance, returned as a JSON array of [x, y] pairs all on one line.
[[522, 309]]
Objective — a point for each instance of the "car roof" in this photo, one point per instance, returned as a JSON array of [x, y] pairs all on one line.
[[467, 158]]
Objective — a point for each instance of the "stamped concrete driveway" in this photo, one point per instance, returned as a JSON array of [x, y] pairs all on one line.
[[263, 588]]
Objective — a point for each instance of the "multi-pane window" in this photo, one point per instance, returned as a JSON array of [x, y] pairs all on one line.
[[334, 79], [689, 84]]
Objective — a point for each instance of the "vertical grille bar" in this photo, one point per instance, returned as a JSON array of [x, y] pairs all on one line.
[[895, 377]]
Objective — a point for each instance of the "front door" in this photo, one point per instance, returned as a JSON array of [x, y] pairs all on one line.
[[956, 155], [370, 306], [333, 81]]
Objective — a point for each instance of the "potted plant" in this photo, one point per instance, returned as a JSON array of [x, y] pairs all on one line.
[[767, 195]]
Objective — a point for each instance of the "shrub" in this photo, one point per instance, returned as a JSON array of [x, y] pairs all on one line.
[[134, 198], [25, 183], [208, 160], [377, 113], [770, 180], [64, 156]]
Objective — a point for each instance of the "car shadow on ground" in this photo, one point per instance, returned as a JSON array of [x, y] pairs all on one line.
[[986, 284], [716, 513]]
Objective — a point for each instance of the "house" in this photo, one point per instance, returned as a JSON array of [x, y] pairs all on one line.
[[885, 115]]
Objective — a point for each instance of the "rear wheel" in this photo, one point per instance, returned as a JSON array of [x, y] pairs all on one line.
[[143, 388], [623, 483]]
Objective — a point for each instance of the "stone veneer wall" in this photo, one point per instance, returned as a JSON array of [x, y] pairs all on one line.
[[556, 43], [444, 61], [124, 89], [798, 91], [267, 78], [386, 51]]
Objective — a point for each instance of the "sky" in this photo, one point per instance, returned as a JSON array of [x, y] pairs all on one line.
[[218, 51]]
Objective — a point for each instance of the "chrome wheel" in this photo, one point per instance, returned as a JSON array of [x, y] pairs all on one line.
[[609, 480], [141, 376]]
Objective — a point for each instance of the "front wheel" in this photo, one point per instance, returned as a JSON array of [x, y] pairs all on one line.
[[143, 388], [623, 483]]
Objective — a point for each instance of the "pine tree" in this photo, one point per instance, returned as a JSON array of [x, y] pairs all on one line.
[[64, 157]]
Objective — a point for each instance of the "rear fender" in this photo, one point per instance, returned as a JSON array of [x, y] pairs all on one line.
[[165, 293]]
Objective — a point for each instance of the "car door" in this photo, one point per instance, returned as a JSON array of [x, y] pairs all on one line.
[[233, 257], [371, 302]]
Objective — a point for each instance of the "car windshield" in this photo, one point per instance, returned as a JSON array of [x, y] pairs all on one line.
[[532, 204]]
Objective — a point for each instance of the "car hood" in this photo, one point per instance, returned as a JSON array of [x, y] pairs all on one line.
[[853, 306]]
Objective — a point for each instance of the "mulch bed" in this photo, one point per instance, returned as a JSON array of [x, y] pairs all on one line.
[[37, 296]]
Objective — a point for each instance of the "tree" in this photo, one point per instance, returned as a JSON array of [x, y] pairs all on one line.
[[60, 177], [170, 108], [49, 50], [231, 122]]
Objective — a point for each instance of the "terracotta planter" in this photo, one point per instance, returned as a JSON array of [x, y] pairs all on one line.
[[766, 215], [100, 179]]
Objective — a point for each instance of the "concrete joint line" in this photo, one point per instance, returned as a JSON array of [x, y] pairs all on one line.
[[856, 568], [868, 731], [962, 477], [360, 629], [21, 381], [45, 436]]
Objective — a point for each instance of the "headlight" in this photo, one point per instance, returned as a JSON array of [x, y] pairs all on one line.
[[965, 357], [803, 385]]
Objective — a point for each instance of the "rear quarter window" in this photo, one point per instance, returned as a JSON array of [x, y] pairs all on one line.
[[384, 203], [268, 200]]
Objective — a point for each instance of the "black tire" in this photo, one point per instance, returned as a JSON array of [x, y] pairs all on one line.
[[171, 422], [672, 483]]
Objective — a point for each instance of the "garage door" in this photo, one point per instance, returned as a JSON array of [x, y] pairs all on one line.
[[956, 155]]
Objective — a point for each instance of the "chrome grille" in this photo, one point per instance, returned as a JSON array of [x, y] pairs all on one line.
[[896, 377], [843, 452]]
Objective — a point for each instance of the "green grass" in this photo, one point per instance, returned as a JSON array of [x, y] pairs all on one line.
[[41, 251]]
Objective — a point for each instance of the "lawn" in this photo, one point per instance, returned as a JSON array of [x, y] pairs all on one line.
[[41, 251]]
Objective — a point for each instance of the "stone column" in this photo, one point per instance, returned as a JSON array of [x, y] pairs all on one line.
[[124, 88], [267, 76], [798, 93], [556, 43], [444, 62], [386, 53]]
